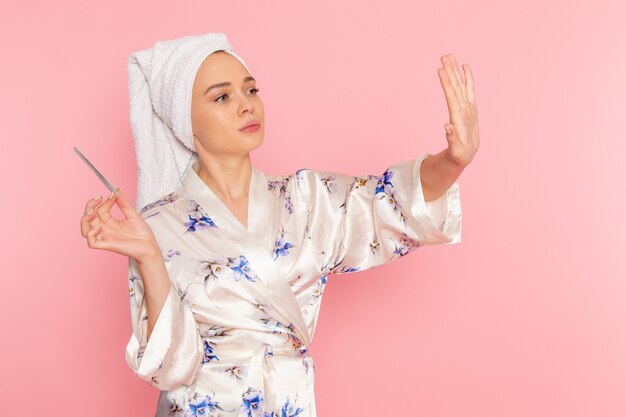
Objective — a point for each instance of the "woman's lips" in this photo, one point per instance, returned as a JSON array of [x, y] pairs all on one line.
[[251, 128]]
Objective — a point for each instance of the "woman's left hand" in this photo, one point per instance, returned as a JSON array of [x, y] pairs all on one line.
[[462, 137]]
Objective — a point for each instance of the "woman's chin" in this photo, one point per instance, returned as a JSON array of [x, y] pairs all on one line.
[[252, 142]]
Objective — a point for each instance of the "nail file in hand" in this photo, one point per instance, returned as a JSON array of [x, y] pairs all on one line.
[[93, 168]]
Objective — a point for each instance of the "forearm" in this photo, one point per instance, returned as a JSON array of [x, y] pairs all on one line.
[[156, 287], [438, 172]]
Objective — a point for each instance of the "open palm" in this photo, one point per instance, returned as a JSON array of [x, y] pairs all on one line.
[[463, 138]]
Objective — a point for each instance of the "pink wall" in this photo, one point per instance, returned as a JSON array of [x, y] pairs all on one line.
[[525, 317]]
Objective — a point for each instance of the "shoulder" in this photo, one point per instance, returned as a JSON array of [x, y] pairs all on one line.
[[331, 182], [304, 177], [163, 204], [327, 189], [277, 182]]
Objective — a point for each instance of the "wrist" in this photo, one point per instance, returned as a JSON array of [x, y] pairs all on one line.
[[151, 254], [452, 162]]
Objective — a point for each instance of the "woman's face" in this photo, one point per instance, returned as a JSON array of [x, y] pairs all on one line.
[[217, 113]]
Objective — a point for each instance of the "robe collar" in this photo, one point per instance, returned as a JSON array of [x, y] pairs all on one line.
[[258, 209], [255, 242]]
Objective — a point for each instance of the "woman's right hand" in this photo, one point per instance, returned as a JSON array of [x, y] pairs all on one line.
[[130, 236]]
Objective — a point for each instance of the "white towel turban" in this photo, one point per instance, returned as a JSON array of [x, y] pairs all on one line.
[[160, 82]]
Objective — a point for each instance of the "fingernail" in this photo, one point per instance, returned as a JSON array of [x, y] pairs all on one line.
[[117, 192], [112, 194], [97, 197]]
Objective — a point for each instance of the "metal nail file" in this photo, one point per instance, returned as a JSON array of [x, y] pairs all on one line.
[[93, 168]]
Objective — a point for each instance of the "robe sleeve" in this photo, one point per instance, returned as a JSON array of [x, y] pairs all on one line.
[[173, 355], [357, 223]]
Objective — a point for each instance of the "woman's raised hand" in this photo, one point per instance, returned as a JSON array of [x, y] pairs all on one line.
[[462, 130], [130, 236]]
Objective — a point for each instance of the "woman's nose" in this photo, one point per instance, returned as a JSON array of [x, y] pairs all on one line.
[[246, 103]]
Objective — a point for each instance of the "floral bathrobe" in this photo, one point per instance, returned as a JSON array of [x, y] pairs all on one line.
[[234, 334]]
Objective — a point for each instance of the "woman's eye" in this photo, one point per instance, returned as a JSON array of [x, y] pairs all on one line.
[[256, 90]]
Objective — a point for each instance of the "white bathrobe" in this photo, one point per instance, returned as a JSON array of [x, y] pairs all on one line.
[[233, 337]]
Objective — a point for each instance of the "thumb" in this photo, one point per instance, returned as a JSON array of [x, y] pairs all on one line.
[[452, 134], [124, 204], [448, 127]]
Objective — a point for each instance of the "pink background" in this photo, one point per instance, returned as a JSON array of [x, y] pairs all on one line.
[[526, 317]]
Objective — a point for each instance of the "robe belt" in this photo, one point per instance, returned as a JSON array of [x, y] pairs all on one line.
[[261, 356]]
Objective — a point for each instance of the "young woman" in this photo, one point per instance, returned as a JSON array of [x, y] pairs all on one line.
[[227, 271]]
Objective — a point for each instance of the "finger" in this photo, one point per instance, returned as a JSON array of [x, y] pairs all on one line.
[[95, 223], [93, 238], [124, 205], [97, 239], [469, 82], [85, 221], [452, 98], [104, 211], [92, 203], [447, 66], [459, 77]]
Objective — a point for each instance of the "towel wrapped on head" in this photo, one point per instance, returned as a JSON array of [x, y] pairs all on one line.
[[160, 83]]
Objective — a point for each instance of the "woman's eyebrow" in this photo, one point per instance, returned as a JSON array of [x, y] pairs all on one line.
[[245, 80]]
